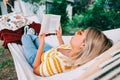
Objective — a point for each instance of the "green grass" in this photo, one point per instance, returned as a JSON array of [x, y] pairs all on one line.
[[2, 51], [5, 59], [6, 63], [7, 68]]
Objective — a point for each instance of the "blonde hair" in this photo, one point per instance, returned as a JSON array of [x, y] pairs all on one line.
[[95, 44]]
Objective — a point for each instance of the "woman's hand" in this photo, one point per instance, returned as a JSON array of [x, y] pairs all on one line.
[[41, 37], [59, 32], [59, 36]]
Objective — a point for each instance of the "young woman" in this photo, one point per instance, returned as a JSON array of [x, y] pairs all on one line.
[[47, 61]]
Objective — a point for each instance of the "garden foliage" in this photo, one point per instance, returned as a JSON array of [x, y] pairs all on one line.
[[102, 14]]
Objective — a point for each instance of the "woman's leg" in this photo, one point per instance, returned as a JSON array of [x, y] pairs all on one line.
[[30, 43], [29, 48]]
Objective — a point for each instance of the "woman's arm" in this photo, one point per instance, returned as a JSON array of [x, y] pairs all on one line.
[[59, 36], [37, 61]]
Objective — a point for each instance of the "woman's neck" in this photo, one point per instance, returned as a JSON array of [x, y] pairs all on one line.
[[65, 52], [74, 52], [68, 52]]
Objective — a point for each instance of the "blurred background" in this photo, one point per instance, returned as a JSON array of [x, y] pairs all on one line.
[[75, 14]]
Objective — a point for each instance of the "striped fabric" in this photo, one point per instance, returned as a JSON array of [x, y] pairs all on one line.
[[110, 70], [54, 62]]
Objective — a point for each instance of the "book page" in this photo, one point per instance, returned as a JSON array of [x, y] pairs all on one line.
[[50, 23]]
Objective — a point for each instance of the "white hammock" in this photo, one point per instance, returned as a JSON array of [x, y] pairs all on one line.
[[25, 72]]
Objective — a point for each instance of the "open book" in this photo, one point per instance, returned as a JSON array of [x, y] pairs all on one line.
[[50, 23]]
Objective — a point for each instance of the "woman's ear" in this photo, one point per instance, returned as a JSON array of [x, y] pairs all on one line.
[[82, 45]]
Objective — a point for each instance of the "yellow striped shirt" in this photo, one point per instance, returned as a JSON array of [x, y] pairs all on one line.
[[54, 62]]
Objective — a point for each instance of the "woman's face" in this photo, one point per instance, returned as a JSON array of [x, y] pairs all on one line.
[[78, 40]]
